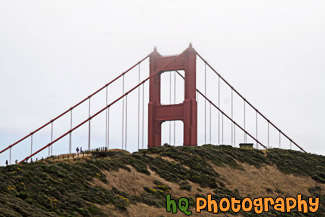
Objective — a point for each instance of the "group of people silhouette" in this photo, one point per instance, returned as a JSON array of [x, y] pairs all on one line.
[[77, 150]]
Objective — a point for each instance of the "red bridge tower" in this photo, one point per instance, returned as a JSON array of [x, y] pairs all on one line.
[[186, 111]]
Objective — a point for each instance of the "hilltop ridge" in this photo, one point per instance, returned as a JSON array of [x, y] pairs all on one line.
[[117, 183]]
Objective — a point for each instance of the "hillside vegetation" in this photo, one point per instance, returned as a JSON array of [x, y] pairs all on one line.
[[116, 183]]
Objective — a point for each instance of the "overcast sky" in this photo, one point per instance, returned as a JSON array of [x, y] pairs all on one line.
[[54, 53]]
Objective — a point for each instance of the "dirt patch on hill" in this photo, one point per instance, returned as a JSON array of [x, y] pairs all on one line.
[[268, 181], [133, 183], [250, 181]]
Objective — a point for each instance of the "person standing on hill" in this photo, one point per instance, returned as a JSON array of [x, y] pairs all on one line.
[[77, 149]]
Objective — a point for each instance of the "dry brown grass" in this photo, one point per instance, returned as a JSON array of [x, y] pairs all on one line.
[[254, 182], [133, 183], [251, 182]]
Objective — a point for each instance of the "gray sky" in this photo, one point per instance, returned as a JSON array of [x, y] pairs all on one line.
[[54, 53]]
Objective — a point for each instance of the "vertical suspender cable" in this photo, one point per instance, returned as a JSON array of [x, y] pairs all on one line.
[[9, 156], [256, 127], [123, 113], [70, 134], [126, 121], [89, 124], [170, 102], [107, 120], [245, 121], [143, 115], [106, 117], [108, 128], [49, 148], [210, 126], [268, 134], [219, 111], [174, 103], [232, 117], [52, 137], [234, 135], [197, 109], [31, 144], [290, 144], [279, 139], [139, 109], [205, 104], [222, 129]]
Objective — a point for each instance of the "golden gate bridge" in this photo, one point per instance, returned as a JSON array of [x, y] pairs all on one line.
[[142, 109]]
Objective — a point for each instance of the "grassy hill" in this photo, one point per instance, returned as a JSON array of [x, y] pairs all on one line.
[[117, 183]]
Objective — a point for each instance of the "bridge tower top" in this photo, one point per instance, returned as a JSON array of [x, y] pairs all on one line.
[[185, 111]]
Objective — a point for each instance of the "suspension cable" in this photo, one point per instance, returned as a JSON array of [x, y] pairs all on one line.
[[100, 111], [82, 101], [224, 114], [248, 102]]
